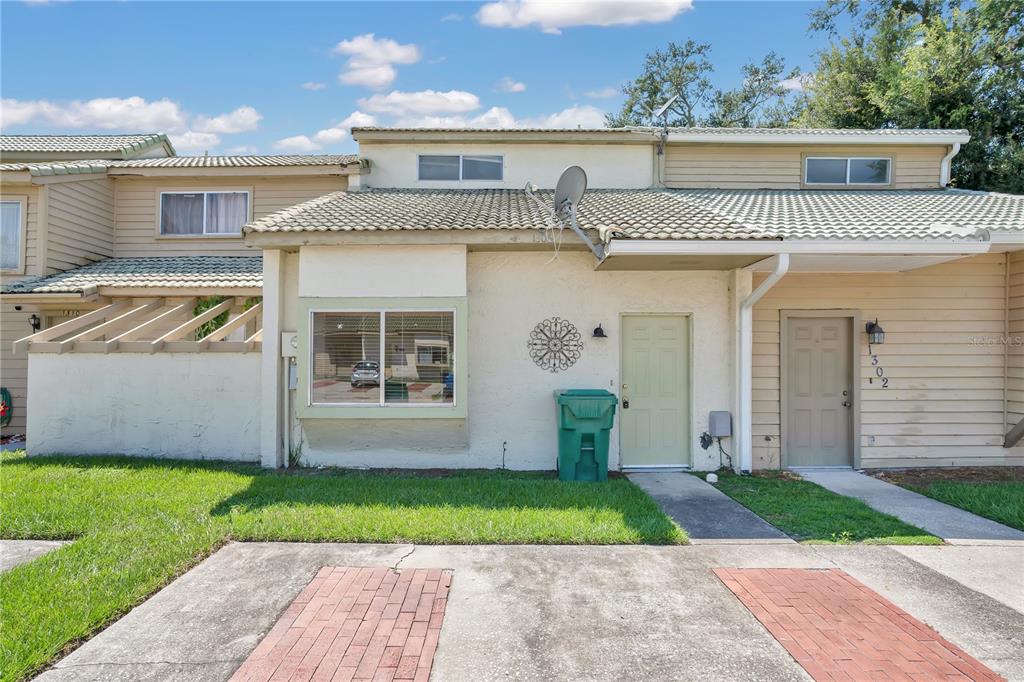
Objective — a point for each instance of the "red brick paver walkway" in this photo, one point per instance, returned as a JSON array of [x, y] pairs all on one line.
[[838, 629], [356, 624]]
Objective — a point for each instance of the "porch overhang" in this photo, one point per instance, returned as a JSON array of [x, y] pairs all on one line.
[[805, 255]]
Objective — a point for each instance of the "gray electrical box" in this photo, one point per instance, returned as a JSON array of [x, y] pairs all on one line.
[[720, 423]]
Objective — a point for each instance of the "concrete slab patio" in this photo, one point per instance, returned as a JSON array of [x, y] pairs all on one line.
[[707, 514], [953, 525], [16, 552], [538, 613]]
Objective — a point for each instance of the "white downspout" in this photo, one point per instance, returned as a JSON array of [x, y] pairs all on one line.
[[746, 361], [946, 166]]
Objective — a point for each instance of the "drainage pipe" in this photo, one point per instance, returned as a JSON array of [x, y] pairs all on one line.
[[746, 360], [946, 165]]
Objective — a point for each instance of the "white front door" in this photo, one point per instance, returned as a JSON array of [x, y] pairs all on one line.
[[655, 411]]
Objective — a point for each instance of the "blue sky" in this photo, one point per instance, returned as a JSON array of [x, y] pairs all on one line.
[[274, 77]]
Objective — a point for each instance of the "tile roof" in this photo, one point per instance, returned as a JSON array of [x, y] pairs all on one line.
[[632, 212], [667, 214], [42, 168], [227, 272], [60, 144], [240, 161]]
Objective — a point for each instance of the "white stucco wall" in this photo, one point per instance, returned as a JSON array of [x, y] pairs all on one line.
[[510, 404], [608, 166], [182, 405], [382, 271]]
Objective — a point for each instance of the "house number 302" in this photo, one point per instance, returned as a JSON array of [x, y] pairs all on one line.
[[879, 372]]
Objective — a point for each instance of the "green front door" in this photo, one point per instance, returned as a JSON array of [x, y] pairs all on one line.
[[655, 416]]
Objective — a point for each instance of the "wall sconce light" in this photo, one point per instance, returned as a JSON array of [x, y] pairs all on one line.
[[34, 322], [876, 334], [599, 332]]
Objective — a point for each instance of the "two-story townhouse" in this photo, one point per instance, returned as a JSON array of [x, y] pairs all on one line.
[[823, 287], [147, 227]]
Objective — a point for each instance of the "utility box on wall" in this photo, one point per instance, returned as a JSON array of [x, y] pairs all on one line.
[[720, 424]]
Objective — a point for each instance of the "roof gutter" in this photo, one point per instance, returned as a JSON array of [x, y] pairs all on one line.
[[746, 361], [812, 138], [946, 167], [773, 247]]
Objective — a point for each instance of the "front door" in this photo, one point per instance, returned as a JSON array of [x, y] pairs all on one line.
[[819, 390], [655, 416]]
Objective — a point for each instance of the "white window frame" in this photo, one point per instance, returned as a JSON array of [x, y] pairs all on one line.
[[204, 234], [848, 159], [22, 202], [461, 177], [383, 312]]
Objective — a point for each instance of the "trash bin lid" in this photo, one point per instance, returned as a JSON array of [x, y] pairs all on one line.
[[584, 393]]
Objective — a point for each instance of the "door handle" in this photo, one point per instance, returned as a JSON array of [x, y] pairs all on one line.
[[625, 404], [846, 403]]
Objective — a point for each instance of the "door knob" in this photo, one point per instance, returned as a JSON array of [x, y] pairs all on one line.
[[625, 404], [846, 403]]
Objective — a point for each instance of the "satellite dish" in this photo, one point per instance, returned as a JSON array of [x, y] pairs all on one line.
[[664, 107], [570, 188]]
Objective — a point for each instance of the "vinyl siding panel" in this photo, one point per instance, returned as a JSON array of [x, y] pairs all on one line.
[[943, 355], [136, 230], [781, 166], [81, 223]]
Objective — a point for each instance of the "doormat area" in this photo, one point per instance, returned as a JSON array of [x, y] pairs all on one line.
[[838, 628], [356, 623]]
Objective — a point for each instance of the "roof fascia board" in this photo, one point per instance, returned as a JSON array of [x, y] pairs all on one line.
[[20, 177], [255, 171], [835, 139], [186, 292], [523, 238], [68, 177], [639, 247], [511, 136]]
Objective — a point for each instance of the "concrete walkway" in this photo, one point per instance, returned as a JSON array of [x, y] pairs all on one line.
[[705, 513], [952, 524], [16, 552], [542, 613]]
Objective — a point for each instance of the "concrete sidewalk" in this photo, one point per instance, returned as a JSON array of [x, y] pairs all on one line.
[[952, 524], [540, 613], [705, 513], [16, 552]]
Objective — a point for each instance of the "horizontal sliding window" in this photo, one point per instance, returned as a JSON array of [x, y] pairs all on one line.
[[847, 171], [203, 213], [383, 358], [455, 167]]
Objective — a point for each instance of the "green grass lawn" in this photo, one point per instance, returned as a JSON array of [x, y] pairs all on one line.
[[996, 493], [809, 513], [138, 524]]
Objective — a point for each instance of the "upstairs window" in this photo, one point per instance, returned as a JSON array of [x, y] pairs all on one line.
[[467, 167], [12, 235], [821, 170], [203, 213]]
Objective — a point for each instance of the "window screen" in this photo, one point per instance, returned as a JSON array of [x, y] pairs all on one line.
[[869, 171], [847, 171], [826, 171], [203, 212], [181, 213], [481, 167], [412, 364], [439, 167], [10, 235]]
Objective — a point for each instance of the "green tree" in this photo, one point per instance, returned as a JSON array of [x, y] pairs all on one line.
[[928, 64], [685, 70]]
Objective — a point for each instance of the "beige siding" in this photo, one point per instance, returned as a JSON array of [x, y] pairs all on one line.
[[943, 356], [81, 223], [780, 166], [1015, 340], [137, 208], [14, 367]]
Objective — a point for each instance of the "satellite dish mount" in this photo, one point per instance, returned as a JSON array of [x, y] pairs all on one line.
[[568, 194]]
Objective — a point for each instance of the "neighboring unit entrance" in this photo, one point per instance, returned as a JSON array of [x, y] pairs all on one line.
[[818, 390], [655, 412]]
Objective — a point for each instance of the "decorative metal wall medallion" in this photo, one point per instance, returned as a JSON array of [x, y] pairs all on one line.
[[555, 344]]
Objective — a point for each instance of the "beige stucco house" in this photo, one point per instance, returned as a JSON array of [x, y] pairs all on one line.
[[419, 306]]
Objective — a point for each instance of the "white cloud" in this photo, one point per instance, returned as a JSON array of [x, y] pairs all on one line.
[[312, 85], [242, 150], [551, 16], [454, 16], [798, 82], [328, 136], [241, 120], [103, 113], [423, 102], [508, 84], [192, 141], [602, 93], [371, 60], [584, 116]]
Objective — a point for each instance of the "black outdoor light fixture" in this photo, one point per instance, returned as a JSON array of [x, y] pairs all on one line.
[[599, 332], [876, 335], [34, 322]]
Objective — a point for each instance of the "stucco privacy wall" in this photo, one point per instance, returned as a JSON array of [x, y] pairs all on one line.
[[182, 405], [621, 166], [942, 354], [511, 412]]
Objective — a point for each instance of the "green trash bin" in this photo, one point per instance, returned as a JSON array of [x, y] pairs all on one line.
[[585, 418], [397, 391]]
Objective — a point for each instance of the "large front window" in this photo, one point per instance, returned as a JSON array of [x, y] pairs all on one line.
[[12, 220], [383, 357], [203, 213]]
